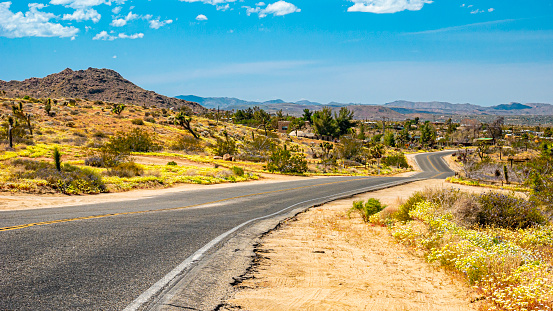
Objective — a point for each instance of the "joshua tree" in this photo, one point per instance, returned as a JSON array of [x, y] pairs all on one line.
[[10, 130], [118, 108], [48, 106], [57, 158], [20, 114], [183, 120]]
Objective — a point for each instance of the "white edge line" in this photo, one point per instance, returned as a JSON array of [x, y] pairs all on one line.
[[159, 285]]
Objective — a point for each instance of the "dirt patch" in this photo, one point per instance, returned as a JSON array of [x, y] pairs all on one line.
[[325, 260]]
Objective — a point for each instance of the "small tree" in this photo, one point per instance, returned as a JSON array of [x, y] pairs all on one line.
[[183, 120], [350, 148], [428, 134], [57, 158], [323, 122], [296, 124], [496, 128], [48, 106], [482, 150], [118, 108], [225, 145], [389, 139], [361, 135], [258, 147], [327, 158], [26, 117], [343, 119], [282, 160], [262, 118], [10, 130], [307, 116]]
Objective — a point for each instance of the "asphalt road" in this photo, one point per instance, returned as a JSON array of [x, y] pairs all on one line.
[[104, 256]]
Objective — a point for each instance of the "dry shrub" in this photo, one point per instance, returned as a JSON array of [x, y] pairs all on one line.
[[126, 169], [466, 210], [188, 143]]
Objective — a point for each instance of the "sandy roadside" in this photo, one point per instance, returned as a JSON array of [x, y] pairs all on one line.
[[324, 260]]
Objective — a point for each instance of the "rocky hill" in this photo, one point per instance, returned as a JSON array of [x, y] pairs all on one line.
[[93, 84]]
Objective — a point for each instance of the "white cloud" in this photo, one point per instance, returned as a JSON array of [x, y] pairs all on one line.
[[114, 56], [476, 11], [135, 36], [491, 10], [279, 8], [223, 7], [212, 2], [120, 22], [107, 37], [33, 23], [83, 15], [103, 36], [79, 4], [387, 6], [83, 4], [201, 17], [116, 10], [156, 23]]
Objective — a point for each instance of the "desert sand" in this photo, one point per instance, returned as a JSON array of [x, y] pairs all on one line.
[[324, 259]]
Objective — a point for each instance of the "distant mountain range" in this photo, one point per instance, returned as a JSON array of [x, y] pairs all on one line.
[[93, 84], [109, 86], [397, 110]]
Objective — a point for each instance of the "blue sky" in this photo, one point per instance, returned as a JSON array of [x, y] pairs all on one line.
[[484, 52]]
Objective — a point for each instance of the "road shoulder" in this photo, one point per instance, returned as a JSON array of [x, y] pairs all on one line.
[[324, 260]]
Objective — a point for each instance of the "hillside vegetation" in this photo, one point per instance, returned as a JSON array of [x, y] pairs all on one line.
[[77, 146]]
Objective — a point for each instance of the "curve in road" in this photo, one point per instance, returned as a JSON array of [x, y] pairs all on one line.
[[104, 256]]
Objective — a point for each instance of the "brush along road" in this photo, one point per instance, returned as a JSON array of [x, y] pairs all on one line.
[[152, 253]]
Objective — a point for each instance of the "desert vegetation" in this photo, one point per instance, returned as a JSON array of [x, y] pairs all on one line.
[[106, 138], [77, 146], [501, 244]]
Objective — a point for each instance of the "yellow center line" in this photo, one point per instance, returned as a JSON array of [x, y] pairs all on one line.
[[428, 158], [163, 209]]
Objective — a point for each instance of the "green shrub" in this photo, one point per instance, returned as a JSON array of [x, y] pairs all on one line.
[[282, 160], [127, 169], [225, 145], [188, 143], [508, 211], [172, 163], [397, 160], [136, 140], [238, 171], [99, 134], [403, 212], [257, 149], [137, 121], [57, 158], [69, 180], [367, 209]]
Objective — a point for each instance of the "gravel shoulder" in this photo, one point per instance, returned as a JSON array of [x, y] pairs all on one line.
[[324, 259]]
